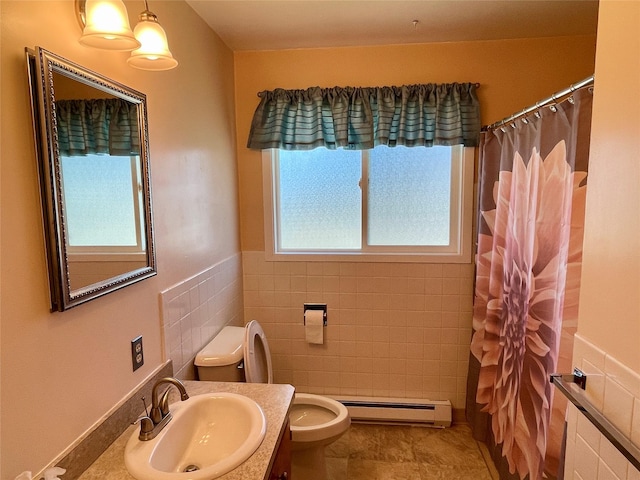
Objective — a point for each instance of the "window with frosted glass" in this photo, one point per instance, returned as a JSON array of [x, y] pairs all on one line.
[[388, 200], [319, 200], [409, 196], [100, 199]]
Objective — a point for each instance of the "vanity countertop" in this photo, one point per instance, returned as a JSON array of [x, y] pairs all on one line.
[[275, 401]]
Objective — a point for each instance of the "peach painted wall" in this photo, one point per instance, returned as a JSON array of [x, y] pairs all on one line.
[[513, 75], [610, 299], [62, 372]]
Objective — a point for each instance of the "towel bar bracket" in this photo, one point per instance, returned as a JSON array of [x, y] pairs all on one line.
[[578, 377]]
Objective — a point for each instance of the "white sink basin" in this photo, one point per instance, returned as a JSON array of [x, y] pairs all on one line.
[[213, 433]]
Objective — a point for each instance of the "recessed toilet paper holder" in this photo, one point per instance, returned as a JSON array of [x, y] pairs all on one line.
[[315, 306]]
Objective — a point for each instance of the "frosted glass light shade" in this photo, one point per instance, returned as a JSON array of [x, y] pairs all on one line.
[[107, 26], [153, 53]]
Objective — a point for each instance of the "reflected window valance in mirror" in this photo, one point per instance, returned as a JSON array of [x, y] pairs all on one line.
[[107, 126], [93, 162]]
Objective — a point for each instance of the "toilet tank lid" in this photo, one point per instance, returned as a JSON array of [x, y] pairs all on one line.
[[226, 348]]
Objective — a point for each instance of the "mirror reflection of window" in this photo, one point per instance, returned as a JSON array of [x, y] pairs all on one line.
[[103, 207]]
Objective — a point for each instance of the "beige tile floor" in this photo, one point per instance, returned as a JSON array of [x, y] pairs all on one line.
[[377, 452]]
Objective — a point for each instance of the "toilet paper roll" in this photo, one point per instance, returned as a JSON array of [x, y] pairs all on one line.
[[313, 326]]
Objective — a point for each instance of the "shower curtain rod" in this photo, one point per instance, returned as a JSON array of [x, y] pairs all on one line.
[[547, 101]]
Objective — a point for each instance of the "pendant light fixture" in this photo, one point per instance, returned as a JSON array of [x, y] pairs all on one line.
[[153, 53], [105, 25]]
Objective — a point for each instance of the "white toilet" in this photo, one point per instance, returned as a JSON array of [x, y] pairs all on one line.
[[316, 421]]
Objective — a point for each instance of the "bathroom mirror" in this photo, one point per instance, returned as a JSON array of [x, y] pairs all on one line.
[[93, 162]]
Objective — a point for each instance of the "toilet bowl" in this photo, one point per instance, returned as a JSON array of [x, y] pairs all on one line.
[[315, 421]]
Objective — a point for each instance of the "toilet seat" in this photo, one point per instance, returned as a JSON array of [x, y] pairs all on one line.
[[315, 421], [257, 356], [324, 418]]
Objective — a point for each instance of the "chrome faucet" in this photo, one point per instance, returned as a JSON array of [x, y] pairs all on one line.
[[153, 423]]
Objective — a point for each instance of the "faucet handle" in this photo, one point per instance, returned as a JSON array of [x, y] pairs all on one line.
[[146, 425]]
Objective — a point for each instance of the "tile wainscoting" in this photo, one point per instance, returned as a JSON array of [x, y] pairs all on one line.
[[613, 389], [195, 310], [394, 329]]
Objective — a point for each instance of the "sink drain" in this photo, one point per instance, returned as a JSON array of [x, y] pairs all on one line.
[[191, 468]]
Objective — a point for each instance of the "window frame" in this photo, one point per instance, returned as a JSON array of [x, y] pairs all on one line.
[[459, 251]]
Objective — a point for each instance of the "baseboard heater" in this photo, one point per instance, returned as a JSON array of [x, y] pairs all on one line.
[[436, 413]]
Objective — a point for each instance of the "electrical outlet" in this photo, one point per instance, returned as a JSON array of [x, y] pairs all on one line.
[[137, 356]]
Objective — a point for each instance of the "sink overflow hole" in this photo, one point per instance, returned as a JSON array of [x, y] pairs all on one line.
[[191, 468]]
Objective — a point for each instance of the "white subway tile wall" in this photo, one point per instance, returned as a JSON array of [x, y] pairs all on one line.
[[394, 329], [615, 390], [196, 309]]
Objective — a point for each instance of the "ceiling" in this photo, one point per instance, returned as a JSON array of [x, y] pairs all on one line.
[[287, 24]]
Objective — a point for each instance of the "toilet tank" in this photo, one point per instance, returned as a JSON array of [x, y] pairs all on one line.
[[221, 360]]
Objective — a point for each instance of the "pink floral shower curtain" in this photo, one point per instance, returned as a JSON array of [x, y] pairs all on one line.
[[532, 187]]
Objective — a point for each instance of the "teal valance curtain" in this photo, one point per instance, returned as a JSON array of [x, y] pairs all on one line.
[[362, 118], [97, 126]]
